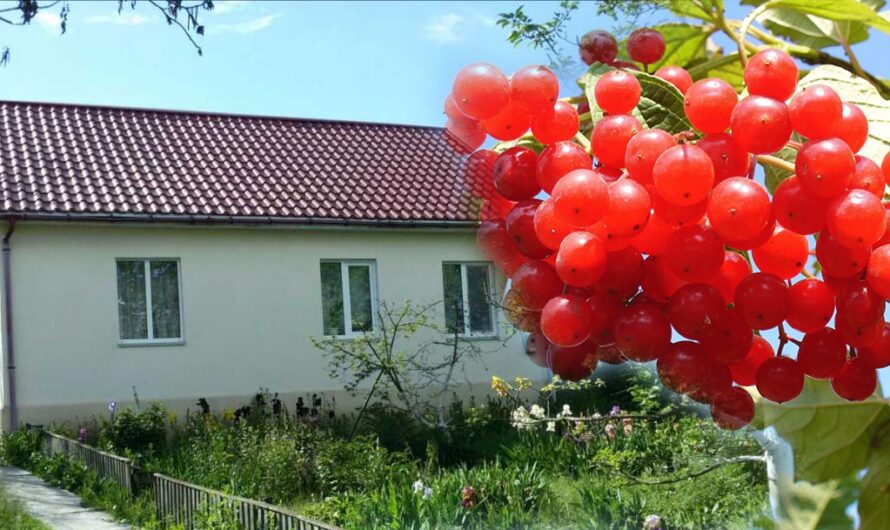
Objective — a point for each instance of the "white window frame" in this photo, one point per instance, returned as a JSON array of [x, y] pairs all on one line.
[[151, 341], [465, 298], [347, 295]]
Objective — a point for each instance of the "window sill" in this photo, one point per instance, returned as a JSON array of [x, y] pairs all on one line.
[[149, 343], [475, 338]]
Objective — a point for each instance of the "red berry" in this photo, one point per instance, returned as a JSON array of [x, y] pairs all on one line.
[[756, 241], [739, 209], [732, 409], [679, 215], [659, 282], [566, 320], [797, 210], [464, 136], [868, 176], [676, 76], [646, 46], [624, 272], [729, 339], [822, 353], [811, 305], [761, 125], [549, 227], [709, 104], [535, 283], [683, 367], [784, 254], [453, 113], [816, 112], [534, 88], [508, 124], [598, 46], [771, 73], [728, 157], [557, 160], [514, 174], [581, 260], [744, 371], [642, 332], [559, 124], [857, 219], [481, 90], [779, 379], [611, 136], [581, 197], [879, 271], [573, 364], [495, 242], [694, 253], [617, 92], [629, 208], [854, 126], [605, 308], [854, 382], [654, 237], [735, 268], [825, 167], [695, 309], [521, 227], [763, 300], [683, 174], [877, 354], [838, 260], [522, 318], [885, 167], [642, 152]]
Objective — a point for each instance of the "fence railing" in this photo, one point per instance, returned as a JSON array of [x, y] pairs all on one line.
[[183, 503], [118, 469]]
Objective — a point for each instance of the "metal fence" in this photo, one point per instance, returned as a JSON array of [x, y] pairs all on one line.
[[106, 465], [183, 503]]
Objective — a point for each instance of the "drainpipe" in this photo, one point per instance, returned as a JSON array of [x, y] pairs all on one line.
[[7, 313]]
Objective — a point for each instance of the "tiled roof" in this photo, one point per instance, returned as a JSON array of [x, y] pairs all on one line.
[[84, 162]]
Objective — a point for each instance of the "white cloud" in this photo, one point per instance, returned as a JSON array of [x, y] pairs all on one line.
[[444, 29], [123, 19], [49, 21], [222, 7], [485, 20], [248, 26]]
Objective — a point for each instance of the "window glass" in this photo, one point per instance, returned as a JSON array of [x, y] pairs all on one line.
[[454, 297], [332, 298], [166, 320], [360, 298], [478, 299], [131, 301]]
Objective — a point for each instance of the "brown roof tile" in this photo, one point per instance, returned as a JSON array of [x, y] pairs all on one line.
[[98, 162]]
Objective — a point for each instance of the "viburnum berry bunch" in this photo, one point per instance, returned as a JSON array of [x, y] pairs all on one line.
[[627, 243]]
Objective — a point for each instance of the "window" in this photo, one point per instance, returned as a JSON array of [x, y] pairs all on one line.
[[348, 297], [468, 307], [149, 301]]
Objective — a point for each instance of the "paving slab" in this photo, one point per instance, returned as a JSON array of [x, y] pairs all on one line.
[[57, 508]]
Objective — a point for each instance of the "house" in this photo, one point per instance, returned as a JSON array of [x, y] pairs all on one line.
[[189, 255]]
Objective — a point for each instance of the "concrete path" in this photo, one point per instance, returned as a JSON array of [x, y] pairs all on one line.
[[56, 508]]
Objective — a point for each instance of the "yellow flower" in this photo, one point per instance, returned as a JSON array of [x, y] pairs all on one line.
[[523, 383], [501, 387], [228, 415]]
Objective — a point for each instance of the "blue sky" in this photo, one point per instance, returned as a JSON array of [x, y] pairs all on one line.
[[366, 61]]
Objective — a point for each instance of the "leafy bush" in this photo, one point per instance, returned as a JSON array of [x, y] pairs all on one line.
[[135, 433], [20, 448]]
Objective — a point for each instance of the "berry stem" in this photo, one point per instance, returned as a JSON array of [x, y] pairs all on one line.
[[773, 161], [583, 141], [574, 100], [742, 39], [854, 61]]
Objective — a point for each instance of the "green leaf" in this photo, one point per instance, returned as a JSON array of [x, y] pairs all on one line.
[[700, 9], [856, 90], [831, 437], [660, 106], [839, 10], [773, 175], [814, 31], [805, 506], [725, 67], [874, 491], [683, 43]]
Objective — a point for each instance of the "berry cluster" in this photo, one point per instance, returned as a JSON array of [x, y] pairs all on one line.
[[609, 255]]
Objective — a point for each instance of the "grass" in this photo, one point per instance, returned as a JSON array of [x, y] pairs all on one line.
[[14, 517]]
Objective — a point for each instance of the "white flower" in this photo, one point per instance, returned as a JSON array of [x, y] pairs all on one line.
[[521, 419], [427, 492], [418, 486], [566, 410], [537, 411], [551, 426], [653, 522]]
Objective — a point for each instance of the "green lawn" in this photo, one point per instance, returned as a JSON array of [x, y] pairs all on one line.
[[13, 516]]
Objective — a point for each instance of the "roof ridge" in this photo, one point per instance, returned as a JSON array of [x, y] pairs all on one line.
[[190, 112]]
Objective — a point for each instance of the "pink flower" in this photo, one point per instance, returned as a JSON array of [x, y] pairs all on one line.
[[468, 497], [610, 431]]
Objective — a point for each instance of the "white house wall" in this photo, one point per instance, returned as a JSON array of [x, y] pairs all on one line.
[[251, 298]]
